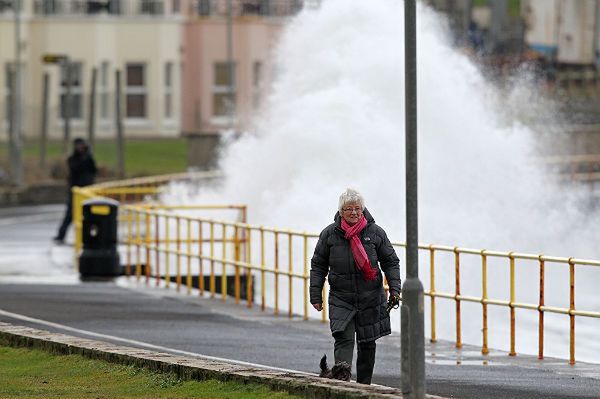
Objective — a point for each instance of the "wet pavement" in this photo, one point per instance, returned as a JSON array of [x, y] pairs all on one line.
[[38, 280]]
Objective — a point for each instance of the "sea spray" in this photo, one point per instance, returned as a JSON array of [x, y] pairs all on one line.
[[335, 119]]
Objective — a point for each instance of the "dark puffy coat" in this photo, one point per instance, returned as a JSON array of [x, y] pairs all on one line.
[[82, 169], [349, 293]]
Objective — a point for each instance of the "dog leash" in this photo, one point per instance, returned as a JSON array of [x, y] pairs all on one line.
[[394, 302]]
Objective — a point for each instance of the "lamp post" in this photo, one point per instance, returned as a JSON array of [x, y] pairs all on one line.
[[63, 61], [15, 138], [412, 311], [231, 111]]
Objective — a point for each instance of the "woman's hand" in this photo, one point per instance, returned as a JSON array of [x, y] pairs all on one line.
[[318, 306]]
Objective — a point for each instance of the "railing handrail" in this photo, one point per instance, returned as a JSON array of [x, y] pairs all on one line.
[[300, 233], [161, 179], [562, 159]]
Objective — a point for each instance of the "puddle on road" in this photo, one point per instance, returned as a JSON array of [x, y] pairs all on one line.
[[446, 360], [456, 362]]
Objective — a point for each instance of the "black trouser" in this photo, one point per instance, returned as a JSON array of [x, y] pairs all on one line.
[[62, 230], [344, 350]]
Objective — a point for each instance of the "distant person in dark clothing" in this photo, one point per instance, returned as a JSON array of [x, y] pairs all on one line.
[[475, 38], [82, 172]]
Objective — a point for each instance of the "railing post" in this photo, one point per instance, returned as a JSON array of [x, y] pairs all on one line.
[[571, 309], [432, 290], [484, 298], [223, 264], [249, 296], [212, 260], [262, 268], [237, 257], [276, 272], [200, 260], [157, 243], [290, 271], [148, 242], [177, 253], [305, 275], [167, 252], [128, 241], [138, 246], [457, 296], [243, 240], [511, 305], [541, 311], [189, 256]]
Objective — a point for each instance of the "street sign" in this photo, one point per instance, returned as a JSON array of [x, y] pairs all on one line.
[[54, 58]]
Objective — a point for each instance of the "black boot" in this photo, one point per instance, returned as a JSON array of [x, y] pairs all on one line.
[[365, 362]]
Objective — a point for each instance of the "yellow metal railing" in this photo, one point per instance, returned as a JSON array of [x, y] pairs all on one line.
[[511, 302], [169, 241], [128, 191], [221, 246]]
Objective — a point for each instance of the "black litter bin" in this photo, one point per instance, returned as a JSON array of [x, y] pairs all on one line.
[[99, 256]]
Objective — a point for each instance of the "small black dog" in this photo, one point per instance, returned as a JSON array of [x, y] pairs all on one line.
[[340, 371]]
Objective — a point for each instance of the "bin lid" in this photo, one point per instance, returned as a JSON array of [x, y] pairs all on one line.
[[100, 201]]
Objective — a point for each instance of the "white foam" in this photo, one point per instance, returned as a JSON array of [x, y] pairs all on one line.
[[335, 118]]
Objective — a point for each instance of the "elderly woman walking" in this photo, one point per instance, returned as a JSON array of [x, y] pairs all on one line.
[[353, 250]]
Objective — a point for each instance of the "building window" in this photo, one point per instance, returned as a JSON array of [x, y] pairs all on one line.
[[98, 6], [169, 90], [256, 82], [152, 7], [204, 8], [7, 6], [250, 7], [224, 90], [135, 91], [104, 90], [175, 6], [76, 106]]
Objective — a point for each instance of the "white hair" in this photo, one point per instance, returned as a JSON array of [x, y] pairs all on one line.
[[351, 195]]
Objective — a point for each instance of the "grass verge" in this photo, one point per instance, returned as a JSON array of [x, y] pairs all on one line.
[[143, 157], [27, 373]]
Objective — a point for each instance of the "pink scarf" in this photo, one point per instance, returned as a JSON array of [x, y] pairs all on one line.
[[358, 250]]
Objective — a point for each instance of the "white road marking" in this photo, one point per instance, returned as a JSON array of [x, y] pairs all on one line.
[[30, 218], [142, 344]]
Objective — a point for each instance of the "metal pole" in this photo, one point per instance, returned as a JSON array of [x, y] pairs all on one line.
[[92, 110], [230, 68], [67, 105], [119, 124], [16, 160], [44, 127], [413, 359], [499, 11], [11, 113], [466, 20]]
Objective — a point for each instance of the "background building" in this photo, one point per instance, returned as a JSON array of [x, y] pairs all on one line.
[[141, 38], [565, 32], [212, 101], [173, 54]]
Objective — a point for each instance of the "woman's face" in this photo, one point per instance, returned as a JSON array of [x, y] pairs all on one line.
[[352, 212]]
